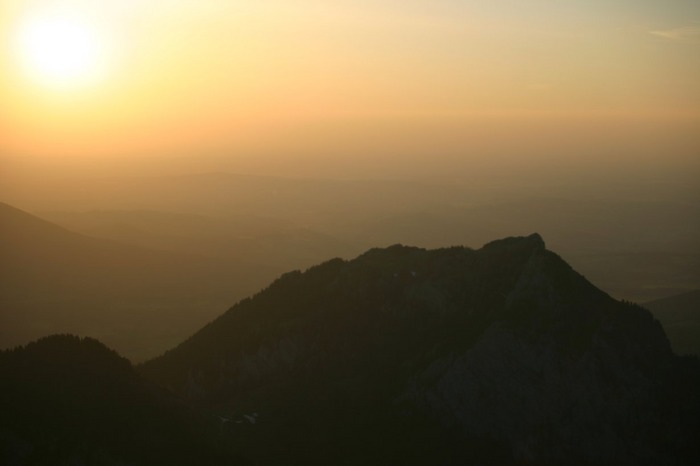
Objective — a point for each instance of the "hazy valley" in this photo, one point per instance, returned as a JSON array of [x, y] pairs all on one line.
[[187, 247]]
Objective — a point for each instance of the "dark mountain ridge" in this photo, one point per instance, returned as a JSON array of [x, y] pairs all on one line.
[[452, 356], [71, 401]]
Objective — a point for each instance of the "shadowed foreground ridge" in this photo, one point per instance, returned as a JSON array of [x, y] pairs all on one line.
[[71, 401], [451, 356]]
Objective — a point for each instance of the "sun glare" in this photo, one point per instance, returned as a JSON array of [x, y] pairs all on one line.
[[60, 50]]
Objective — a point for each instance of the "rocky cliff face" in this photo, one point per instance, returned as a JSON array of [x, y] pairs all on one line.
[[453, 356]]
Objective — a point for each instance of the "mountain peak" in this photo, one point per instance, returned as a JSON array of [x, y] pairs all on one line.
[[506, 342], [533, 241]]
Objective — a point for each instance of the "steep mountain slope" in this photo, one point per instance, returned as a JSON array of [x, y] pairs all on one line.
[[66, 400], [55, 281], [453, 356], [680, 316]]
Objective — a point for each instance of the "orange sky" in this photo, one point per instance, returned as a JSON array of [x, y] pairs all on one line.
[[246, 76]]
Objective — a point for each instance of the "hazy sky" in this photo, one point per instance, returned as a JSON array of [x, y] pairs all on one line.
[[300, 75]]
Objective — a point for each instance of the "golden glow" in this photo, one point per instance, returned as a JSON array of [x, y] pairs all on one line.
[[60, 49], [191, 74]]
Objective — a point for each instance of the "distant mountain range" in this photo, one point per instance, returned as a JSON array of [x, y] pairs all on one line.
[[637, 240], [272, 242], [54, 280], [636, 243], [502, 355]]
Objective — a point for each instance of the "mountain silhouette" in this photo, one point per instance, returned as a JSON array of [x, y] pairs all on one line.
[[66, 400], [502, 355]]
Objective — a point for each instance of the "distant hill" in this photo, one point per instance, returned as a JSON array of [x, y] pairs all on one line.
[[66, 400], [502, 355], [54, 280], [277, 243], [680, 316]]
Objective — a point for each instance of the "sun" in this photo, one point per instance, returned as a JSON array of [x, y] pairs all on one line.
[[60, 49]]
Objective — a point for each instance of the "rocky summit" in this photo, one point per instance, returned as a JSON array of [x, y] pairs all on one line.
[[501, 355]]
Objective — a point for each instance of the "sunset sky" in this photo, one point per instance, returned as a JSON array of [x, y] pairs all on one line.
[[123, 78]]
